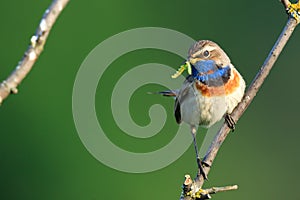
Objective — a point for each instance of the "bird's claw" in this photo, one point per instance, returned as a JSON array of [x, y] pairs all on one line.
[[201, 171], [230, 122]]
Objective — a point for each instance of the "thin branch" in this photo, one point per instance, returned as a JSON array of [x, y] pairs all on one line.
[[214, 190], [35, 48], [285, 3], [248, 97]]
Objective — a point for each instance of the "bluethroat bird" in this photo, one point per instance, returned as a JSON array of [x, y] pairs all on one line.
[[211, 91]]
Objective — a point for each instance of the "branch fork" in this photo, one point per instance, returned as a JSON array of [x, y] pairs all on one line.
[[292, 9], [190, 189]]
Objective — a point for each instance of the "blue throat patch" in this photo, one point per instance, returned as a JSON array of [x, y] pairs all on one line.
[[208, 73]]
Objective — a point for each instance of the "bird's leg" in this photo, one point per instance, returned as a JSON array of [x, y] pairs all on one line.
[[199, 162], [230, 121]]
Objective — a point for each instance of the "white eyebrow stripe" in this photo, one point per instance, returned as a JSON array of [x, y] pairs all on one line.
[[208, 48]]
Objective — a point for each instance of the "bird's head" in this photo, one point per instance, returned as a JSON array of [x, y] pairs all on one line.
[[207, 50], [206, 58]]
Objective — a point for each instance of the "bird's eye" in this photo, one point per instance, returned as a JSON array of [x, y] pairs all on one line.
[[206, 53]]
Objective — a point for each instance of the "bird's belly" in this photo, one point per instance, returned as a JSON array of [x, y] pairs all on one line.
[[203, 111]]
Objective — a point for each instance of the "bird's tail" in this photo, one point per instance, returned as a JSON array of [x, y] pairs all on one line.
[[167, 93]]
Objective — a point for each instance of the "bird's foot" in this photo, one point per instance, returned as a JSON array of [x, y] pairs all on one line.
[[230, 122], [201, 171]]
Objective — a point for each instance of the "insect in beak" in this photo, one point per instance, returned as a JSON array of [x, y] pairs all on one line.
[[186, 66]]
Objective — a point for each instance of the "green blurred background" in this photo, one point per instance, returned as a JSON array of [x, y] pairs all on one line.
[[41, 155]]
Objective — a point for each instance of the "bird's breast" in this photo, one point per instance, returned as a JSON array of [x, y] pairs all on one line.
[[224, 89], [205, 105]]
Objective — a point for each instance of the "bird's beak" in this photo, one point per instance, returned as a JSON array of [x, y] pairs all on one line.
[[186, 66], [192, 60]]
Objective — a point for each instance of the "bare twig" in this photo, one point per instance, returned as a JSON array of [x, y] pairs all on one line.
[[214, 190], [35, 48], [247, 99], [285, 3]]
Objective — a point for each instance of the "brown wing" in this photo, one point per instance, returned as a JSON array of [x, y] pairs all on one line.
[[181, 96], [177, 112]]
